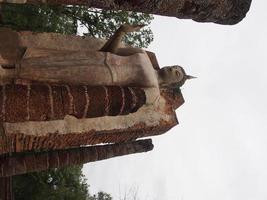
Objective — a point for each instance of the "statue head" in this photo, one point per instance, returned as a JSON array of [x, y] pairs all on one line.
[[172, 76]]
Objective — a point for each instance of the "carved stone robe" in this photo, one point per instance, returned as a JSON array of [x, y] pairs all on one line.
[[87, 67]]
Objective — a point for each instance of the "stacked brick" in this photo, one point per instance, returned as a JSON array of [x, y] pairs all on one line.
[[34, 162], [44, 102], [19, 142], [217, 11], [6, 188]]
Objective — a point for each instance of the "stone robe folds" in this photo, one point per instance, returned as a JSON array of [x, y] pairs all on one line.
[[87, 67]]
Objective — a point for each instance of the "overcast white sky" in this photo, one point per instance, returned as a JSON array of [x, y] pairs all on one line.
[[218, 151]]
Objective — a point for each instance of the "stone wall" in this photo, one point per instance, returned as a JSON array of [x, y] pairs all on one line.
[[34, 162]]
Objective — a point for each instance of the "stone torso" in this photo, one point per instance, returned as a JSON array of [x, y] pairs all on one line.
[[87, 67]]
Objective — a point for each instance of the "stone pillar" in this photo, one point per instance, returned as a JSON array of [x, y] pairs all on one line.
[[6, 188], [34, 162], [217, 11]]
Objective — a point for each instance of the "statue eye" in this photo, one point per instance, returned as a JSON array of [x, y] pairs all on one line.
[[177, 73]]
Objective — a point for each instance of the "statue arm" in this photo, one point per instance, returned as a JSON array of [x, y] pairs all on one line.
[[113, 44], [128, 51]]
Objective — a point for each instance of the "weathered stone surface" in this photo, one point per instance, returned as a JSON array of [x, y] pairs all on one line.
[[71, 132], [45, 102], [217, 11], [34, 162], [6, 188], [22, 142]]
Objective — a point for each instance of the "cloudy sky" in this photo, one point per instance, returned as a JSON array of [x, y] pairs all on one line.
[[218, 151]]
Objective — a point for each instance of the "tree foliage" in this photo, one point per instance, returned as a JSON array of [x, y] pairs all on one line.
[[73, 19], [101, 196], [66, 183], [36, 18]]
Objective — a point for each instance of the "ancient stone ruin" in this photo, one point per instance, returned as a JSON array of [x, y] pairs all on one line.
[[217, 11], [41, 116], [67, 124], [22, 163], [47, 125]]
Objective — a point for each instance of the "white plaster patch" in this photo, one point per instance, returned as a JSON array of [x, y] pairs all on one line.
[[150, 115]]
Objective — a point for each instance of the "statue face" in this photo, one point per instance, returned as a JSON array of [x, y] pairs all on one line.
[[172, 75]]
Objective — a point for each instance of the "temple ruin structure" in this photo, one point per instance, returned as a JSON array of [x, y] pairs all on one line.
[[43, 117]]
